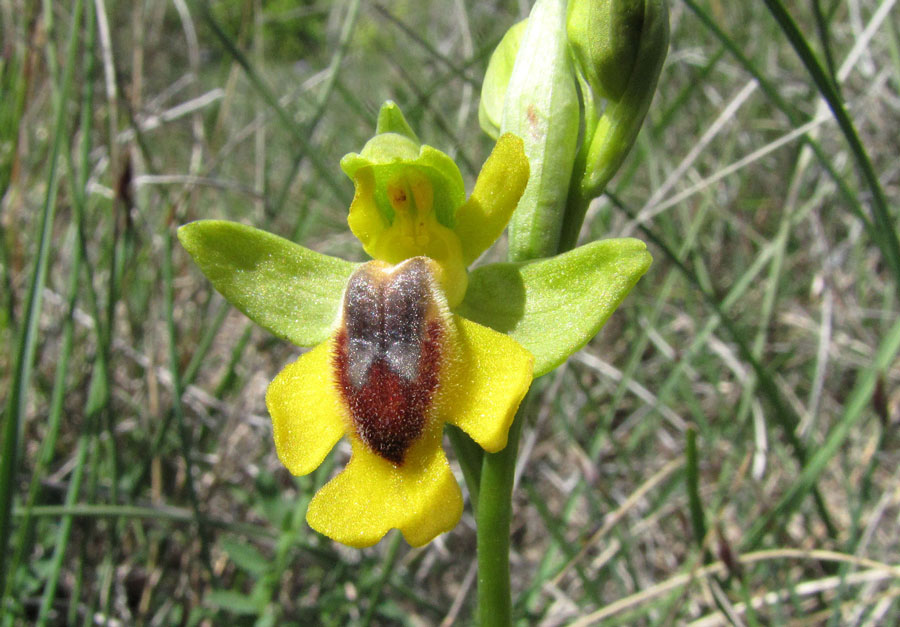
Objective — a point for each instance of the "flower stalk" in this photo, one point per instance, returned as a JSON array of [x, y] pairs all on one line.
[[493, 518]]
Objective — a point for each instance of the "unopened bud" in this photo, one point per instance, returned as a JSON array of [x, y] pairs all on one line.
[[604, 36], [619, 62]]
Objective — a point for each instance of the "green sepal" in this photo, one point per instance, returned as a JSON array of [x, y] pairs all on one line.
[[390, 154], [290, 290], [554, 306], [496, 80], [391, 120]]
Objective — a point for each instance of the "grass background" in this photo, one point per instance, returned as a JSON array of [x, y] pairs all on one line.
[[724, 452]]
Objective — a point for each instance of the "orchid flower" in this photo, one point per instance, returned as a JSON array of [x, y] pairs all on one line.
[[412, 339]]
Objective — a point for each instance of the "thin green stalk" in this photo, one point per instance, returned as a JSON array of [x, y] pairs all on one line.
[[48, 444], [692, 481], [205, 343], [494, 512], [65, 528], [161, 513], [26, 348], [494, 516], [825, 41], [78, 180], [237, 353]]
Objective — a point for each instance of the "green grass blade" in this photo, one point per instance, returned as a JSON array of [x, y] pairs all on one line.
[[885, 230], [63, 533], [325, 172], [178, 409], [143, 512], [16, 406], [855, 408], [692, 482]]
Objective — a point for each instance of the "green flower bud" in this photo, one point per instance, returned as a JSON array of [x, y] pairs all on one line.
[[620, 62], [604, 36], [396, 149], [575, 137]]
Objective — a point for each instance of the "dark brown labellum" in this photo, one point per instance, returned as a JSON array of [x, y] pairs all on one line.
[[388, 354]]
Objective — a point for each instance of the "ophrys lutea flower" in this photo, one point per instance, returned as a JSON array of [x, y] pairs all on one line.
[[411, 340], [397, 367]]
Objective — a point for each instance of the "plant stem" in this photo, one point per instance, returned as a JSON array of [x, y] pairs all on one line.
[[493, 518]]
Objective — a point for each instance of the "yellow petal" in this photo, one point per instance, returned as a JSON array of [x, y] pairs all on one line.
[[484, 383], [482, 218], [306, 410], [366, 221], [372, 496]]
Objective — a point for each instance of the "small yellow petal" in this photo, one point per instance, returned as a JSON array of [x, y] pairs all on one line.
[[307, 414], [501, 182], [484, 383], [366, 221], [372, 496]]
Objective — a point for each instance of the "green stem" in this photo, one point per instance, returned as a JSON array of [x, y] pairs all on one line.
[[493, 518]]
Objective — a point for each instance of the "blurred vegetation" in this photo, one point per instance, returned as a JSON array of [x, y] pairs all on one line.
[[724, 452]]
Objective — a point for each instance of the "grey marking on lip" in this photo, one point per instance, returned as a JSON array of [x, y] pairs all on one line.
[[405, 306], [385, 319], [363, 315]]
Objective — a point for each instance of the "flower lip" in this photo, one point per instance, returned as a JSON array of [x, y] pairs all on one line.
[[388, 353]]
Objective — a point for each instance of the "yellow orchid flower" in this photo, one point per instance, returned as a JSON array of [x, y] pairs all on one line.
[[397, 367], [409, 341]]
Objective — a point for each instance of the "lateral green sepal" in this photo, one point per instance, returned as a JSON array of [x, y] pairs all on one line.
[[581, 287], [290, 290]]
